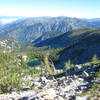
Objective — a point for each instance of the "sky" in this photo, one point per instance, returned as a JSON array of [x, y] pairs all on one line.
[[37, 8]]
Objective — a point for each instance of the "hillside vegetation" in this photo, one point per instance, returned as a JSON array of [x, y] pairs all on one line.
[[84, 48]]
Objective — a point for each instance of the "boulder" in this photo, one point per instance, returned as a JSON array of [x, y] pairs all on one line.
[[77, 68], [37, 83], [72, 98], [60, 98], [85, 74], [24, 57], [43, 80]]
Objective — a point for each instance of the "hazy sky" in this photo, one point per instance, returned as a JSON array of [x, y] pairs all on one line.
[[33, 8]]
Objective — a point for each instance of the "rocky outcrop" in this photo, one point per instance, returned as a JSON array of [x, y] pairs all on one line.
[[59, 88], [64, 88]]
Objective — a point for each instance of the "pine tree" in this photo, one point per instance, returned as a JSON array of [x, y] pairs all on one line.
[[47, 64], [94, 59], [68, 65]]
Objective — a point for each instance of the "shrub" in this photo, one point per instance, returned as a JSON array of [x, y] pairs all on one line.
[[8, 83], [68, 65]]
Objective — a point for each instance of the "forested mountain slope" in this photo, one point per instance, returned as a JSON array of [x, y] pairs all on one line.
[[82, 50]]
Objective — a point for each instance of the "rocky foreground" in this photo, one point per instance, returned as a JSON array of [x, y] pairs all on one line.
[[63, 88]]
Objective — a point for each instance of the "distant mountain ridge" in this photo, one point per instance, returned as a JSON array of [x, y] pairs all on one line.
[[65, 39], [33, 29], [5, 20], [92, 20]]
